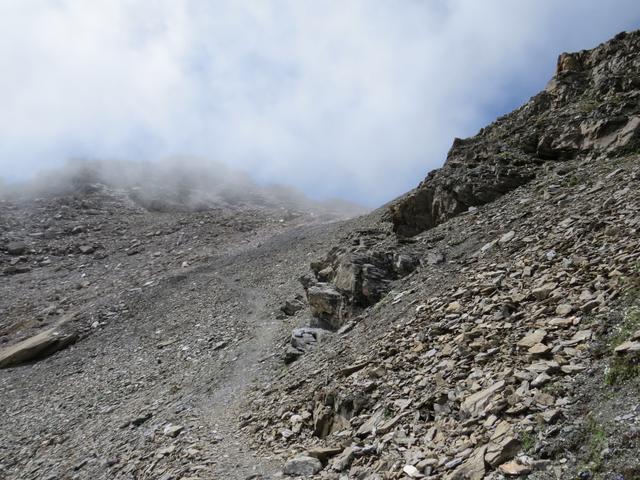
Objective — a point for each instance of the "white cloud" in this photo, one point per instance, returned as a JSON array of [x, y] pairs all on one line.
[[352, 98]]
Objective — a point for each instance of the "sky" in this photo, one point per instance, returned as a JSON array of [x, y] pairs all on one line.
[[354, 99]]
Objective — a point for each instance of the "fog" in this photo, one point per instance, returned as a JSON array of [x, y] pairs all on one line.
[[177, 184], [357, 100]]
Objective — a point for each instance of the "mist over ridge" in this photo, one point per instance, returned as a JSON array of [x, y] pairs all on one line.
[[355, 101]]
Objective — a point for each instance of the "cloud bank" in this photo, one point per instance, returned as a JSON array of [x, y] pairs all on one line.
[[355, 99]]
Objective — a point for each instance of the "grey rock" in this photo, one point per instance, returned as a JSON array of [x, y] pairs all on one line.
[[326, 304], [303, 465], [16, 248]]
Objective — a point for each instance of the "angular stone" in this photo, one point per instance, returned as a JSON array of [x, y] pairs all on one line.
[[39, 346], [627, 347], [501, 451], [412, 471], [564, 309], [544, 291], [540, 380], [324, 453], [514, 469], [539, 350], [372, 423], [435, 258], [589, 306], [453, 307], [16, 248], [343, 461], [326, 304], [473, 468], [474, 404], [507, 237], [578, 337], [302, 465], [291, 354], [86, 249], [291, 307], [172, 430], [532, 338], [322, 420], [551, 416]]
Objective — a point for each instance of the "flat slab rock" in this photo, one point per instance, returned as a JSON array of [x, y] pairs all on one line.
[[39, 346]]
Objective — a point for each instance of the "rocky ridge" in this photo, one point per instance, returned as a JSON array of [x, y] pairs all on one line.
[[590, 106], [476, 361], [465, 363]]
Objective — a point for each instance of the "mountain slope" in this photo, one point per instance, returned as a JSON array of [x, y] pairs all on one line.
[[485, 325], [509, 347]]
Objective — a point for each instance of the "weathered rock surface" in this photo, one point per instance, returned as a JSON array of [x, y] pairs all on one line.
[[483, 365], [41, 345], [590, 108], [302, 466], [500, 341]]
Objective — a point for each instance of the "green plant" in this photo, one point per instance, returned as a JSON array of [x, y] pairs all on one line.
[[554, 388], [596, 442], [573, 181], [528, 441], [620, 370], [587, 106], [631, 285], [629, 325]]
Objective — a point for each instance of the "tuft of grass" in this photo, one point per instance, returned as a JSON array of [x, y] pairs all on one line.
[[587, 106], [573, 181], [528, 441], [620, 370], [629, 325], [596, 442]]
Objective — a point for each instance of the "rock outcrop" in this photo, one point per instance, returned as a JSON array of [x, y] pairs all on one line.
[[351, 278], [590, 107]]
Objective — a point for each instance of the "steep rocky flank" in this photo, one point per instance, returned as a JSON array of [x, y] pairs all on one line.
[[485, 325], [499, 354], [500, 340], [590, 107]]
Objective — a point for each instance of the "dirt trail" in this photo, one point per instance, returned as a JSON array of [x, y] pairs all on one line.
[[158, 394]]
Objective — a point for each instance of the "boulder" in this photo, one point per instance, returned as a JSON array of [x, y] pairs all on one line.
[[16, 248], [34, 348], [293, 306], [302, 465], [473, 468], [326, 304], [475, 404]]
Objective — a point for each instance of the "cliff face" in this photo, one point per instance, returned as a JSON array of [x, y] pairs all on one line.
[[589, 108]]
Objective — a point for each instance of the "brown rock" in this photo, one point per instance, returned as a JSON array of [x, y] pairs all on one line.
[[474, 404], [36, 347], [514, 469], [532, 338], [473, 468], [501, 451], [627, 347]]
